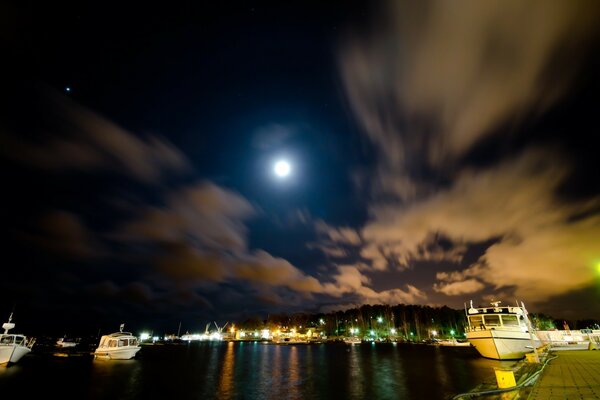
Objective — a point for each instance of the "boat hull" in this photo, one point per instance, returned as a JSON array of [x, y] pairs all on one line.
[[125, 353], [501, 344], [12, 353]]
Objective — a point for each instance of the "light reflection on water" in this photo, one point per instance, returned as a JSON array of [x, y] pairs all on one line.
[[256, 371], [227, 373]]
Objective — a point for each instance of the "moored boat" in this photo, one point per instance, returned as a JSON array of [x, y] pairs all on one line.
[[13, 346], [118, 346], [352, 340], [63, 342], [501, 333]]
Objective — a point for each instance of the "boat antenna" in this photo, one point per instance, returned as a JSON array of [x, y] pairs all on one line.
[[179, 329], [121, 327]]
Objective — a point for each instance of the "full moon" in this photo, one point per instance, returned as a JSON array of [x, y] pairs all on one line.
[[282, 168]]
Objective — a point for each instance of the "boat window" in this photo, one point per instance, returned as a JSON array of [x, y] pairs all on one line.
[[476, 321], [19, 339], [510, 320], [122, 342], [133, 342], [6, 340], [492, 320], [112, 343]]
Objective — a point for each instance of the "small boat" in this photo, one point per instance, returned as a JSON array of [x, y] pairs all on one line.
[[352, 340], [291, 340], [118, 346], [501, 333], [65, 343], [13, 346], [453, 343]]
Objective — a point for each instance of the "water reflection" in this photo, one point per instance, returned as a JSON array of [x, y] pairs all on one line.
[[227, 373], [293, 374], [115, 376], [257, 371], [355, 373]]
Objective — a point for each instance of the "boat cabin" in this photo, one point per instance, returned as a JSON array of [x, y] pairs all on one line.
[[12, 339], [496, 317], [118, 340]]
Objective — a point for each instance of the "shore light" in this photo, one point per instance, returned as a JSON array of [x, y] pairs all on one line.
[[379, 319], [393, 331]]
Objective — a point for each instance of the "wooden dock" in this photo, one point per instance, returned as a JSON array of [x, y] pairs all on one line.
[[573, 375]]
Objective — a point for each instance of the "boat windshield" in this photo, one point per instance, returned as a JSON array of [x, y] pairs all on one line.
[[7, 339], [476, 321], [492, 320], [510, 320]]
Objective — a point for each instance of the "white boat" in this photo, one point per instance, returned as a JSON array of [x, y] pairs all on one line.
[[352, 340], [453, 342], [65, 343], [291, 340], [13, 346], [501, 333], [118, 346]]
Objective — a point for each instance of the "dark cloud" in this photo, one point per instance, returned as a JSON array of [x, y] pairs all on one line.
[[65, 234], [75, 138]]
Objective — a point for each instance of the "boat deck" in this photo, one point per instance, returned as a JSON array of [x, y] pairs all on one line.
[[573, 375]]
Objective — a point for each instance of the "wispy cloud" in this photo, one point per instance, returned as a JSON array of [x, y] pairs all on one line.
[[428, 84], [76, 138]]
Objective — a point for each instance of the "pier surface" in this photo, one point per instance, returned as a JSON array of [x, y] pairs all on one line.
[[573, 375]]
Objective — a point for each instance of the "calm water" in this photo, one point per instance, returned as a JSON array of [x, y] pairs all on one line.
[[255, 371]]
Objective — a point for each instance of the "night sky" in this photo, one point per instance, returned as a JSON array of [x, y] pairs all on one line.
[[439, 151]]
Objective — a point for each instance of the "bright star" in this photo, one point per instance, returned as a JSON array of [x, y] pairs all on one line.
[[282, 168]]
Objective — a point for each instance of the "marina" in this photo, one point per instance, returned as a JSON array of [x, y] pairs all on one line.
[[256, 370]]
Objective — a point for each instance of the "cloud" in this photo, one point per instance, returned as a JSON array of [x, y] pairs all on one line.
[[459, 287], [544, 246], [200, 235], [436, 77], [89, 142], [349, 280], [431, 82], [272, 135], [65, 234]]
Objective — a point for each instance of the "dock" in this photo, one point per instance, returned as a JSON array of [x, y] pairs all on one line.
[[573, 375]]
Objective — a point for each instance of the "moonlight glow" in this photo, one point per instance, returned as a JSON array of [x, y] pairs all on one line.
[[282, 168]]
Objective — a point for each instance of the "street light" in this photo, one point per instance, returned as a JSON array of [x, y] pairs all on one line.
[[379, 319]]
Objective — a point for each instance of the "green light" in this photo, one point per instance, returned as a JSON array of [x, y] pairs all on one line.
[[452, 332], [379, 319], [372, 333]]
